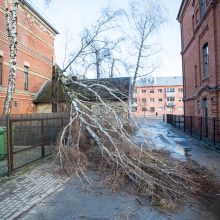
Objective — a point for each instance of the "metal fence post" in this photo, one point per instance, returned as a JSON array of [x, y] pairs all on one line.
[[191, 125], [42, 139], [214, 127], [9, 146], [184, 123], [200, 128]]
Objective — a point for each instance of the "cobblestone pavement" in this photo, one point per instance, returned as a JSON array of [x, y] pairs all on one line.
[[22, 192]]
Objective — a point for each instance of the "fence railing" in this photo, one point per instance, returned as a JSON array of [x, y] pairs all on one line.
[[29, 137], [205, 129]]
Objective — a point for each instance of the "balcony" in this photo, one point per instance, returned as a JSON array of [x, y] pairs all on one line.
[[170, 94], [171, 104]]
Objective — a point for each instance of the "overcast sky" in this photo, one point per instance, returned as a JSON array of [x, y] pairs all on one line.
[[73, 15]]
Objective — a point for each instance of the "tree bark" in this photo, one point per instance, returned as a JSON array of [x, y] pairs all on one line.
[[11, 17]]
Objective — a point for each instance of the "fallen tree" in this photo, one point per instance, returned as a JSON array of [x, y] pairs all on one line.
[[99, 135], [105, 140]]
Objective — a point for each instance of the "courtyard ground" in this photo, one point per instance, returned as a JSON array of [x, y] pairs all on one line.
[[58, 197]]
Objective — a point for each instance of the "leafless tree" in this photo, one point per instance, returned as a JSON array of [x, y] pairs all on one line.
[[145, 17], [96, 50], [11, 9]]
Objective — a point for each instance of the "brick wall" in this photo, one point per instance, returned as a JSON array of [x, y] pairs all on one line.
[[196, 31], [35, 50]]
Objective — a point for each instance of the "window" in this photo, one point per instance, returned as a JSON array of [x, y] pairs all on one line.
[[134, 109], [151, 90], [25, 78], [144, 109], [170, 89], [160, 90], [171, 99], [15, 104], [198, 106], [202, 8], [180, 99], [160, 108], [1, 67], [206, 60], [204, 103], [144, 91], [144, 100], [160, 100], [151, 99], [170, 109], [180, 90], [152, 109]]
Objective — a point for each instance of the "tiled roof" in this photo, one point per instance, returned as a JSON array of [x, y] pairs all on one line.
[[160, 81], [120, 86]]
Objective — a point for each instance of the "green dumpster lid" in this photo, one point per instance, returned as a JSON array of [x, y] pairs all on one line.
[[3, 128]]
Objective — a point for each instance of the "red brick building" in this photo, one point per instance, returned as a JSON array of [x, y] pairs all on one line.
[[157, 96], [34, 58], [200, 30]]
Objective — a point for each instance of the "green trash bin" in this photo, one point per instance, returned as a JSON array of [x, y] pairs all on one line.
[[3, 140]]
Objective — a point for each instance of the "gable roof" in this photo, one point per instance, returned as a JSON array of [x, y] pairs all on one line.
[[160, 81], [180, 10], [44, 20], [120, 88]]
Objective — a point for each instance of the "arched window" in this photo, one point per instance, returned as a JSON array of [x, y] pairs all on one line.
[[206, 60], [202, 7]]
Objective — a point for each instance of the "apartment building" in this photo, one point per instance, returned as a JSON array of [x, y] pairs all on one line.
[[35, 56], [157, 96], [200, 31]]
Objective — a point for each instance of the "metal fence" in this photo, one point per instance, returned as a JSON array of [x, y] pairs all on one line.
[[205, 129], [29, 138]]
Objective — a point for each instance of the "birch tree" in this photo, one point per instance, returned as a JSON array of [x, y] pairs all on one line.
[[96, 52], [145, 17], [11, 9]]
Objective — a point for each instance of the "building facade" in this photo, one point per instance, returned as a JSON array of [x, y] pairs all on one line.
[[157, 96], [35, 56], [200, 32]]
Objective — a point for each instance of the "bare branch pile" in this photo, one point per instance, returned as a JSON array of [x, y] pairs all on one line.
[[98, 135]]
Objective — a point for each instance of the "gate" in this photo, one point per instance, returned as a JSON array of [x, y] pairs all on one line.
[[30, 137]]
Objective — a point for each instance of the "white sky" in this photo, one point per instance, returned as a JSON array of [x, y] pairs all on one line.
[[71, 16]]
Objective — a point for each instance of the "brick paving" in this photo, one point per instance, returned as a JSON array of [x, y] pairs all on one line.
[[19, 194]]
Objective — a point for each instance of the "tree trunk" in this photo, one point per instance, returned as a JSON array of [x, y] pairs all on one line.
[[112, 69], [54, 89], [137, 69], [98, 74], [11, 17]]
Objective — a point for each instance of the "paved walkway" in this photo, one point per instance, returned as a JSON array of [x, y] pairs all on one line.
[[179, 144], [24, 197], [24, 191], [84, 202]]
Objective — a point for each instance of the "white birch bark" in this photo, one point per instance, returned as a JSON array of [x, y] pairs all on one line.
[[11, 17]]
